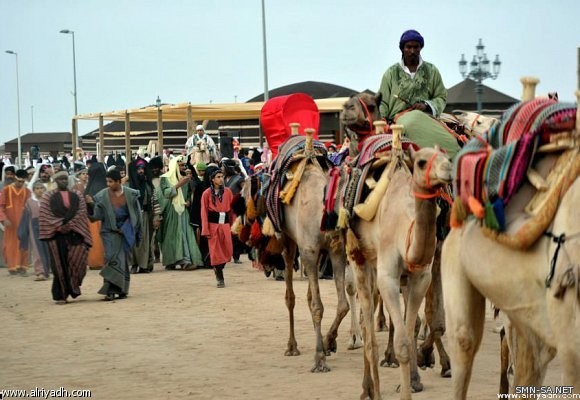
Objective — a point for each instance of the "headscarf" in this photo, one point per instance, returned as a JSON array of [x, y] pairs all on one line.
[[97, 179], [173, 176], [156, 162], [411, 36]]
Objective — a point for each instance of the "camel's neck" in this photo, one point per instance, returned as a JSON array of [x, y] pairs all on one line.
[[423, 235]]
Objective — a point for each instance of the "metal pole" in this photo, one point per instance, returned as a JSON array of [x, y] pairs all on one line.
[[75, 121], [75, 73], [19, 155], [19, 158], [266, 96], [32, 117], [479, 95], [578, 66]]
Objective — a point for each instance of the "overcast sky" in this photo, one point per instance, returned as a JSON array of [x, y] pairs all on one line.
[[128, 52]]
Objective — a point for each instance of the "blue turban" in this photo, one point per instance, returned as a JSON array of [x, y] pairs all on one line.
[[411, 36]]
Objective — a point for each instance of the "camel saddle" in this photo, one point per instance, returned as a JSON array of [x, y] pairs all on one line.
[[351, 183], [513, 177], [286, 171]]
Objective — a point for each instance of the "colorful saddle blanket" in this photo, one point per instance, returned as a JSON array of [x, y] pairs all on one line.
[[347, 187], [489, 170], [290, 152]]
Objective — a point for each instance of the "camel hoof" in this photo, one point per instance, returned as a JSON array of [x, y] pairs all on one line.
[[446, 372], [320, 368], [292, 352], [330, 347], [416, 387], [389, 363], [425, 359], [355, 343]]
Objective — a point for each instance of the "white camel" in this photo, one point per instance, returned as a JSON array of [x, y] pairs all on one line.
[[537, 288]]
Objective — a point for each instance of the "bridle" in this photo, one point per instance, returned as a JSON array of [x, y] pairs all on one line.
[[432, 193]]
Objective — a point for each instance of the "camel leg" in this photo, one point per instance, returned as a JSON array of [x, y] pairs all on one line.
[[532, 357], [465, 316], [338, 261], [388, 280], [418, 285], [355, 337], [309, 259], [435, 316], [504, 385], [567, 302], [365, 283], [390, 359], [381, 317], [288, 254]]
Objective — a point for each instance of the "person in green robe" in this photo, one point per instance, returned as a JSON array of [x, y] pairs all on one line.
[[176, 235], [413, 95], [118, 208]]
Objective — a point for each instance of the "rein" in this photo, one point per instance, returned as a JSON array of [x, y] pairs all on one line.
[[559, 240], [371, 128], [431, 194], [473, 123]]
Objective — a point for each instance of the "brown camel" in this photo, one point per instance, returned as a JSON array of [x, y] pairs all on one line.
[[382, 256], [301, 231], [356, 118]]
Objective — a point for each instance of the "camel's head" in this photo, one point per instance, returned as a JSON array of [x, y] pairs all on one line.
[[431, 168], [201, 145], [359, 112], [474, 123], [357, 116]]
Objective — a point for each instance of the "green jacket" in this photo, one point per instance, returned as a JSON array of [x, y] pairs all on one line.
[[427, 85]]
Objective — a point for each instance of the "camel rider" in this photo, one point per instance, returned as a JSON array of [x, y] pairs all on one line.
[[412, 82], [413, 95], [201, 135]]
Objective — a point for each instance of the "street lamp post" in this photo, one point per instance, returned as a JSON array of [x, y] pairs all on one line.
[[18, 161], [479, 70], [75, 124]]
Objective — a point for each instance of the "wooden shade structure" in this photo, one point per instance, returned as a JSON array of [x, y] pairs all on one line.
[[190, 112]]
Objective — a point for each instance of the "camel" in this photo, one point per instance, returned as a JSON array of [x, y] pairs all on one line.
[[357, 118], [474, 123], [200, 152], [382, 256], [301, 231], [537, 288]]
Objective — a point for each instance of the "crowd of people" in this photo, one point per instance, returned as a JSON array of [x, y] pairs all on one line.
[[120, 216], [121, 219]]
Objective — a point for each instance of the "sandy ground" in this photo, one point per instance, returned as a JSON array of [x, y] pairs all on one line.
[[179, 337]]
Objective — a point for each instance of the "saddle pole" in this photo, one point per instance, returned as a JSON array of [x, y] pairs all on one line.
[[368, 209], [294, 128], [380, 127], [529, 87]]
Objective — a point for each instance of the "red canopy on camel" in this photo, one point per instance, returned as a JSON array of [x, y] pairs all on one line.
[[279, 112]]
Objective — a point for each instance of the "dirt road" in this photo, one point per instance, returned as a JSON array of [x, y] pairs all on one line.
[[179, 337]]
